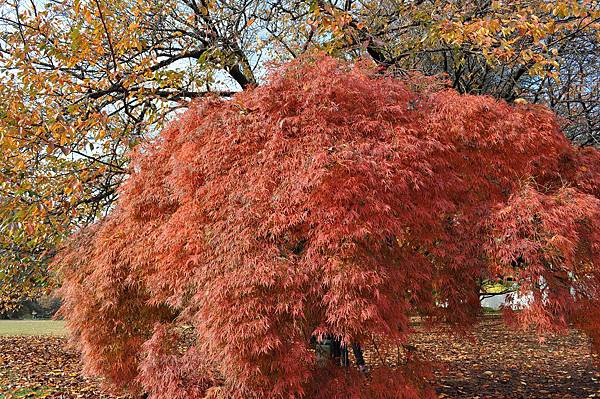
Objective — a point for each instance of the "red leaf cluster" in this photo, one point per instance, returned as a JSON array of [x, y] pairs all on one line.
[[330, 200]]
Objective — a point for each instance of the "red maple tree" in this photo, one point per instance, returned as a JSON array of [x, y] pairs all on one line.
[[330, 200]]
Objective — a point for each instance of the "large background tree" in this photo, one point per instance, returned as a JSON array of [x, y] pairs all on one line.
[[330, 200], [82, 82]]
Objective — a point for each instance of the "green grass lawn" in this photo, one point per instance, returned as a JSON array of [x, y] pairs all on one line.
[[32, 327]]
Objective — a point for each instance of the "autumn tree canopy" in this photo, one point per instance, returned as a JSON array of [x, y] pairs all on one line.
[[84, 81], [331, 200]]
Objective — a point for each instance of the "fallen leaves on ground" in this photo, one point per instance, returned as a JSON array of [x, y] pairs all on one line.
[[43, 367], [503, 363], [495, 363]]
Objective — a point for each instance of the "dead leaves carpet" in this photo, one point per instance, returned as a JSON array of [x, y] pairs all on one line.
[[496, 363]]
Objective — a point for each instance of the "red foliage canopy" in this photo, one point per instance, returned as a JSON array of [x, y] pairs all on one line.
[[330, 200]]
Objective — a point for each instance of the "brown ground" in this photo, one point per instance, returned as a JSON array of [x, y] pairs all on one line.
[[499, 364], [508, 364]]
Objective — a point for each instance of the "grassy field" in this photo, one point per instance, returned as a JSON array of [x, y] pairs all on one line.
[[32, 327]]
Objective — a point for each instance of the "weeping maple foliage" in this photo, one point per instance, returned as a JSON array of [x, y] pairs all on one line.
[[331, 200]]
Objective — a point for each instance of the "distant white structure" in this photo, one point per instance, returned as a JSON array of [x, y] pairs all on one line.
[[497, 301]]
